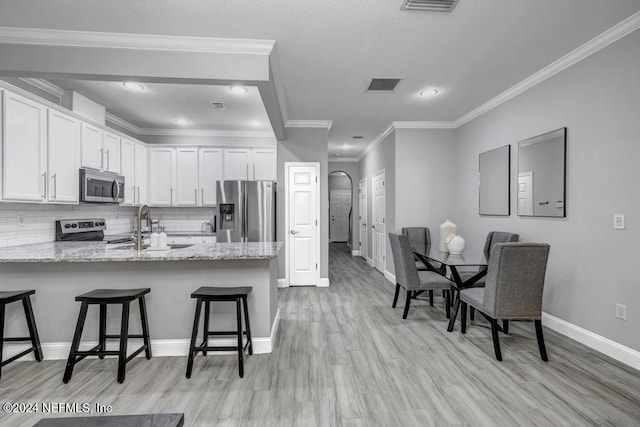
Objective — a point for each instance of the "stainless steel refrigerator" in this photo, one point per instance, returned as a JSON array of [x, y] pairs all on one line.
[[246, 211]]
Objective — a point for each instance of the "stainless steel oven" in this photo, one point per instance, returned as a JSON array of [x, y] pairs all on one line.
[[101, 187]]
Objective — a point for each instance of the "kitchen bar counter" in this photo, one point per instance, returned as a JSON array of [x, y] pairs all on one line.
[[103, 252]]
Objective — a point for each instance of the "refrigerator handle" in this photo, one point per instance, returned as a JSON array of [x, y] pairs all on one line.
[[245, 213]]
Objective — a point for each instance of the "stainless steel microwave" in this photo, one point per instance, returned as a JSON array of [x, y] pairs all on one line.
[[101, 187]]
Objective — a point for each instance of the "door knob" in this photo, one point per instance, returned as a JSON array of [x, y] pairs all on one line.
[[294, 232]]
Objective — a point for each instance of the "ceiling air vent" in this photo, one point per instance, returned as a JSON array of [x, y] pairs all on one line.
[[219, 106], [429, 5], [383, 85]]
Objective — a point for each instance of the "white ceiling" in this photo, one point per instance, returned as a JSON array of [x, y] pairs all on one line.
[[329, 49]]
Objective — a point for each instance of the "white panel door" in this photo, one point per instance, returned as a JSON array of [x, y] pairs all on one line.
[[24, 149], [302, 230], [162, 176], [141, 195], [236, 164], [378, 228], [91, 146], [64, 157], [127, 165], [187, 177], [363, 218], [111, 152], [265, 166], [339, 208], [210, 170], [525, 193]]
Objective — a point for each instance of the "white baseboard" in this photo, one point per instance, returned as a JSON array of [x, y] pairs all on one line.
[[390, 277], [355, 253], [283, 283], [324, 282], [370, 261], [619, 352], [159, 348]]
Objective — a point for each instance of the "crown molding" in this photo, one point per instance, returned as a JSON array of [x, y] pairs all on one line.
[[95, 39], [122, 123], [44, 86], [378, 139], [206, 132], [343, 160], [599, 42], [424, 125], [324, 124]]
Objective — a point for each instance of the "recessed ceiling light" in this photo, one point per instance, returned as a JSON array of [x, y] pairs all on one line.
[[254, 123], [182, 122], [133, 86], [239, 90], [345, 146], [429, 92]]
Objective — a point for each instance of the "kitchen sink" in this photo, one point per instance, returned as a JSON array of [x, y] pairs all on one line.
[[173, 246]]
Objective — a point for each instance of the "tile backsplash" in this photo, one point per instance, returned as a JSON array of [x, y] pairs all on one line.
[[24, 223]]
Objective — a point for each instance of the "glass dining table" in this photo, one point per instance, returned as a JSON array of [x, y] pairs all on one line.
[[476, 261]]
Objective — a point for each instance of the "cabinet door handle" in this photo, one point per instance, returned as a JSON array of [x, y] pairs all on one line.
[[55, 186], [44, 186], [138, 194], [108, 161], [195, 195], [254, 171], [171, 202], [202, 196], [134, 194], [101, 158], [247, 171]]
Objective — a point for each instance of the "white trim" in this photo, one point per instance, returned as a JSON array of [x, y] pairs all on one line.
[[207, 132], [370, 261], [355, 253], [287, 165], [619, 352], [390, 277], [44, 86], [343, 160], [324, 282], [324, 124], [424, 125], [283, 283], [122, 123], [96, 39]]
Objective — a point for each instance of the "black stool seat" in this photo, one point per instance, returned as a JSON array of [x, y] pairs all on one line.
[[99, 296], [103, 297], [206, 295], [7, 297], [220, 294]]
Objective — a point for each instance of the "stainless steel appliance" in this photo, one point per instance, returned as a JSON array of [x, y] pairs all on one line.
[[246, 211], [86, 230], [101, 187]]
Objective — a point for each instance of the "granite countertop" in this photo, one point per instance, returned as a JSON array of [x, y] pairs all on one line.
[[103, 252]]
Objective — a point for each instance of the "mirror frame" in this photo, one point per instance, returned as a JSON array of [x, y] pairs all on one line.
[[502, 211], [539, 138]]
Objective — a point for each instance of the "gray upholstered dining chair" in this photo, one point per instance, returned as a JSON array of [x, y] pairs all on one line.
[[421, 236], [408, 276], [513, 290]]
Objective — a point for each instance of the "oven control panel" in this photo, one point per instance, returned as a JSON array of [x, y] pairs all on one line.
[[80, 225]]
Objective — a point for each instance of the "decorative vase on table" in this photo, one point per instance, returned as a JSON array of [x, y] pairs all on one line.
[[455, 244], [446, 228]]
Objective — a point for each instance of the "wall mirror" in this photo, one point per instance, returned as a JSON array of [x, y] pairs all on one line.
[[541, 174], [495, 171]]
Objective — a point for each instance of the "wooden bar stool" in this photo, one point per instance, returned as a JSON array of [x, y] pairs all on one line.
[[207, 295], [104, 297], [7, 297]]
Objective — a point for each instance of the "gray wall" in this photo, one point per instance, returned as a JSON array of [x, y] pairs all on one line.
[[591, 266], [383, 156], [339, 182], [305, 145], [353, 170]]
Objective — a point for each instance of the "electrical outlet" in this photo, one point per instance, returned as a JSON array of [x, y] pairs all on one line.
[[618, 221], [621, 311], [20, 221]]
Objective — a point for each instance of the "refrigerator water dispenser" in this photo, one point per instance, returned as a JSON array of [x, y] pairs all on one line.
[[227, 219]]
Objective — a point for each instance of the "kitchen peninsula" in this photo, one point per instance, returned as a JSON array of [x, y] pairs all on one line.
[[59, 271]]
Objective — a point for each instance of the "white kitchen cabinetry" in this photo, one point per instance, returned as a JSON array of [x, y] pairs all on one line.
[[237, 163], [140, 172], [187, 177], [63, 152], [111, 152], [210, 171], [91, 146], [265, 166], [127, 165], [24, 149], [162, 171]]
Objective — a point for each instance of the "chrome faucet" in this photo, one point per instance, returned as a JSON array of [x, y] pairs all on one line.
[[137, 243]]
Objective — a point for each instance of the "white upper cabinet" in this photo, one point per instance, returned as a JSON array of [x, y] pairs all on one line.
[[187, 177], [91, 147], [24, 149], [236, 163], [265, 166], [162, 167], [111, 152], [127, 165], [140, 170], [64, 157], [210, 171]]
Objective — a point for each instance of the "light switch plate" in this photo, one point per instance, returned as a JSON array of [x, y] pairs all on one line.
[[618, 221]]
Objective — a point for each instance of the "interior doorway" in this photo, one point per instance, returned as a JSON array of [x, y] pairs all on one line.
[[340, 208]]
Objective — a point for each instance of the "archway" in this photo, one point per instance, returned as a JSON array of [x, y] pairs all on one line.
[[340, 207]]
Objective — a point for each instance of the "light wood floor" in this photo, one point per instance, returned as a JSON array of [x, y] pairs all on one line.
[[345, 357]]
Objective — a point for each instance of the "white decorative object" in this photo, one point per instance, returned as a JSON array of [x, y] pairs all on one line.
[[455, 244], [446, 228]]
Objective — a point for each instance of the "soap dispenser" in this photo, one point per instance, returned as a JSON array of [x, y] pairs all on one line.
[[162, 239], [155, 239]]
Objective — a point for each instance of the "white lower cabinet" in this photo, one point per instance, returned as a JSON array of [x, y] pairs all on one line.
[[162, 172], [63, 152]]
